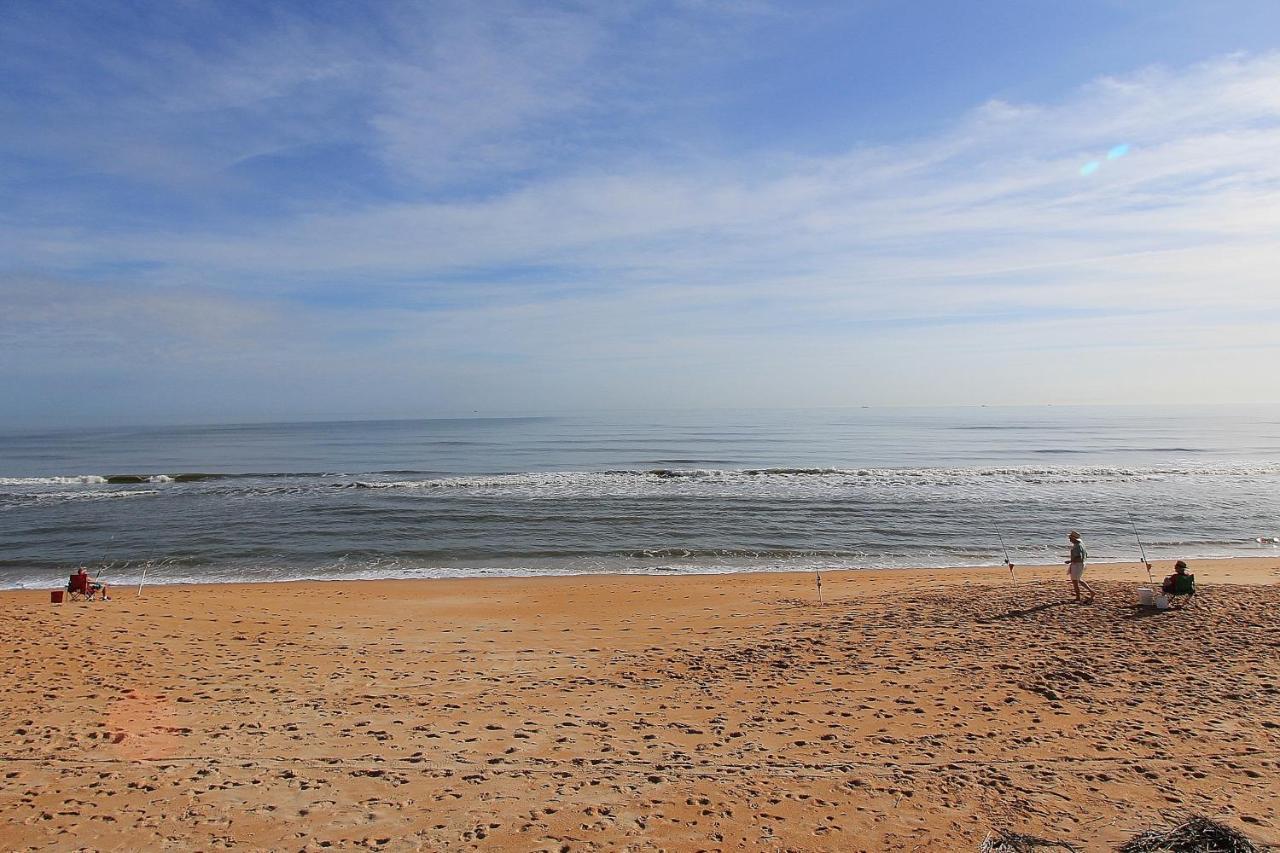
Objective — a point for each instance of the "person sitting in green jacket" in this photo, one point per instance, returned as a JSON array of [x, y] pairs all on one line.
[[1179, 583]]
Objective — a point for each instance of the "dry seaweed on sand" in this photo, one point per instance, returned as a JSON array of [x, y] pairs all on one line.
[[1004, 841], [1191, 834]]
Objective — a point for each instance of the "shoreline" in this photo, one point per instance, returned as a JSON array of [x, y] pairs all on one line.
[[912, 709], [1118, 570]]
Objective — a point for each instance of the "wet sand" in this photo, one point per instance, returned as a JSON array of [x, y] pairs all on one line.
[[914, 710]]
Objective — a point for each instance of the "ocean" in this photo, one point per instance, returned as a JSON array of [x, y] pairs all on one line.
[[641, 492]]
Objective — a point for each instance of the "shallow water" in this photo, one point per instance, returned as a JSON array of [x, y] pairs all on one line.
[[637, 492]]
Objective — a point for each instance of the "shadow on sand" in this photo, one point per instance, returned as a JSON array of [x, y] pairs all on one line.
[[1146, 611], [1026, 611]]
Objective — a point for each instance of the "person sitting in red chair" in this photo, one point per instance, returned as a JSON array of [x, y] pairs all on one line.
[[84, 585]]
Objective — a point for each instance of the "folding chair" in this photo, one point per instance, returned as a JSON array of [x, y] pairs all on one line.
[[1184, 586], [78, 588]]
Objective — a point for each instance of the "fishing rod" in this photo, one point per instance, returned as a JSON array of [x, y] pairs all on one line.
[[161, 565], [1007, 561], [146, 567], [1141, 549], [106, 567]]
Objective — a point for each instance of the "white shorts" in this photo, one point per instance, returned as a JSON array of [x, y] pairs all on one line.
[[1075, 571]]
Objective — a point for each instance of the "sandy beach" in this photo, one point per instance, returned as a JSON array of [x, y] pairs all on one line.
[[914, 710]]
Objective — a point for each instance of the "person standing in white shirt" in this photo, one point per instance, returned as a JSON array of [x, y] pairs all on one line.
[[1075, 566]]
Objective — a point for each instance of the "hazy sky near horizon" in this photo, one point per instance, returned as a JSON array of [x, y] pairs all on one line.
[[244, 211]]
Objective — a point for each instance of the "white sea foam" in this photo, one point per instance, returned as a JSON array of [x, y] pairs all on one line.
[[37, 499], [893, 485], [788, 482], [71, 480]]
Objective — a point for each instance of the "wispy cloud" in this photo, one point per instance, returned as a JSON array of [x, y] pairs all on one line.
[[510, 212]]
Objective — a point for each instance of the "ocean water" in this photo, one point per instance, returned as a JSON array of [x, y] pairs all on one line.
[[649, 492]]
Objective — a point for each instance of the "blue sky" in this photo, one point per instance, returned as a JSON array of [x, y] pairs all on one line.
[[246, 211]]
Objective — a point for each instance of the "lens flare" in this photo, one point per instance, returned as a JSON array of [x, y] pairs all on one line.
[[1090, 167], [142, 726], [1118, 151]]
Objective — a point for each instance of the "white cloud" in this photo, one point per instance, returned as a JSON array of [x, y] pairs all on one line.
[[908, 267], [989, 195]]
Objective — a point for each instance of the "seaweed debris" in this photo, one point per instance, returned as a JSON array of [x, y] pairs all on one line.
[[1004, 841], [1190, 834]]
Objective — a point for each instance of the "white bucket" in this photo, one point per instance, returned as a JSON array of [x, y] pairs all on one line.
[[1162, 602], [1146, 596]]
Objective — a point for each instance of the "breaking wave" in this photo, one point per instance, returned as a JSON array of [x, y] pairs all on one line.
[[653, 480], [784, 480], [73, 479]]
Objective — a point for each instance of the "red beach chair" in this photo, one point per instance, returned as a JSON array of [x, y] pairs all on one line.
[[78, 588]]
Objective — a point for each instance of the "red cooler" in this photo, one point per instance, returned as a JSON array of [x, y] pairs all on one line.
[[55, 596]]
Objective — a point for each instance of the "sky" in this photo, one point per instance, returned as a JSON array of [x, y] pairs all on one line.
[[241, 211]]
